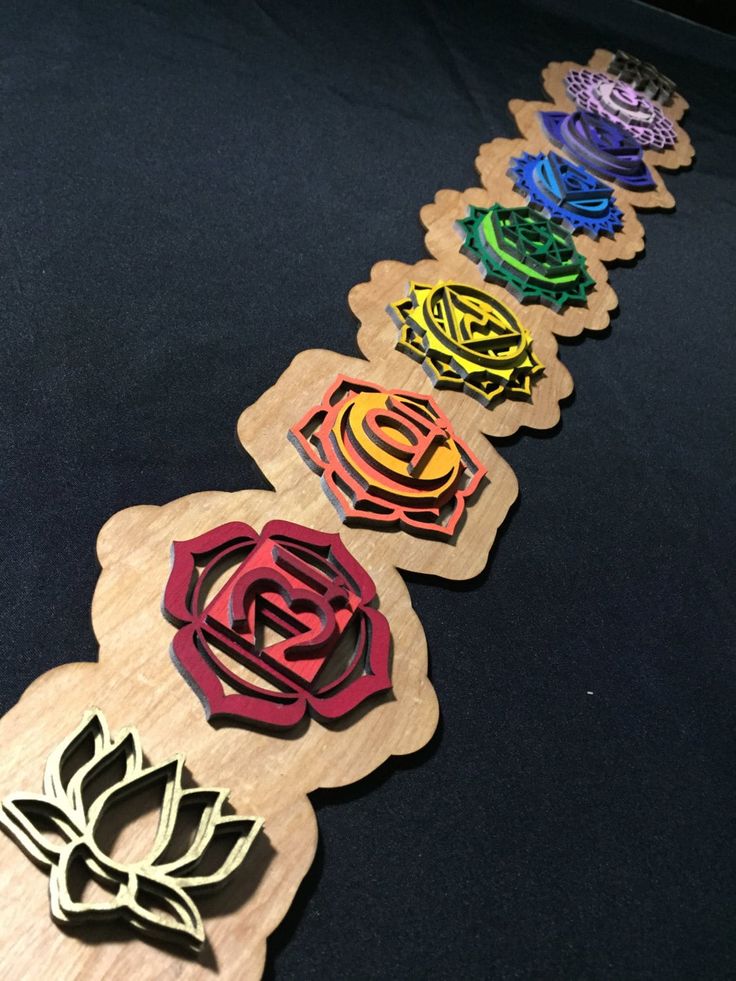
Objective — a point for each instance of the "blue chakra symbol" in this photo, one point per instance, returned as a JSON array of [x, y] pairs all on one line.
[[567, 193]]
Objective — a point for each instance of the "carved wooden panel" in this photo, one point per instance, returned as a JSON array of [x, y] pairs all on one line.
[[283, 612], [328, 650]]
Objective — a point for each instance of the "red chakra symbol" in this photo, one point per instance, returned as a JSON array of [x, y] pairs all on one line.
[[389, 458], [274, 625]]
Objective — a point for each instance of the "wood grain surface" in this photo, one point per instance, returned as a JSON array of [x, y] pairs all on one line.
[[270, 775]]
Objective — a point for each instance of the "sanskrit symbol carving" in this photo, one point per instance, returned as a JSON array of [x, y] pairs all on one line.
[[531, 256], [466, 340], [567, 192], [389, 458], [291, 630]]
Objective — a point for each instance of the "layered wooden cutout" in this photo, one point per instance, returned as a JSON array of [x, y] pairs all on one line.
[[376, 305], [141, 687], [619, 103], [642, 76], [497, 165], [268, 775], [464, 473], [532, 257], [467, 340], [65, 831], [566, 192], [530, 118], [680, 155], [601, 146], [291, 629], [389, 457], [271, 774], [446, 236]]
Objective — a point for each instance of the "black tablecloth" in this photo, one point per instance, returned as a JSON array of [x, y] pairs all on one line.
[[188, 191]]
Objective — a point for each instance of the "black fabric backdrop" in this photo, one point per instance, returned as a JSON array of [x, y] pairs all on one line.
[[188, 191]]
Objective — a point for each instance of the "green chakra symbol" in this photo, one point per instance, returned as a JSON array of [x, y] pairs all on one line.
[[534, 258]]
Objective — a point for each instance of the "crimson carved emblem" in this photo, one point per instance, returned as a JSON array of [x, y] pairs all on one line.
[[389, 457], [275, 625]]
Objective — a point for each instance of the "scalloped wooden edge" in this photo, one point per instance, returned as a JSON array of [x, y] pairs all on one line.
[[443, 240], [680, 155], [390, 281], [269, 774]]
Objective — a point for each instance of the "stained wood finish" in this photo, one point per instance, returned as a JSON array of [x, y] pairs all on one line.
[[135, 682], [268, 775], [66, 831], [443, 240], [378, 334]]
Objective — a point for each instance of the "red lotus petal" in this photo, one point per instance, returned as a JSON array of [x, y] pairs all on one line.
[[184, 554], [345, 699], [280, 711]]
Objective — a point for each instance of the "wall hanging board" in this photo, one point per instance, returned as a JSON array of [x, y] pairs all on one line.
[[267, 637]]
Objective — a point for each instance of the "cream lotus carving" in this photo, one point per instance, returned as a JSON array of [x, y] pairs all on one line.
[[62, 830]]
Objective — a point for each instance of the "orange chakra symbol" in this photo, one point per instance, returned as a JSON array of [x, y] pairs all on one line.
[[388, 457]]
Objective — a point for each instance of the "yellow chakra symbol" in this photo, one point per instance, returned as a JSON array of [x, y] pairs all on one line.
[[467, 340]]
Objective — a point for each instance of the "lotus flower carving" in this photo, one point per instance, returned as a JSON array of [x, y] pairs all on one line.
[[64, 830]]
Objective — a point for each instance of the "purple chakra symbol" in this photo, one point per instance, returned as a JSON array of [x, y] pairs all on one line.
[[600, 146], [567, 193], [619, 103]]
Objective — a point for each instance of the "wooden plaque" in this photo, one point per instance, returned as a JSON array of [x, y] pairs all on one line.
[[409, 481]]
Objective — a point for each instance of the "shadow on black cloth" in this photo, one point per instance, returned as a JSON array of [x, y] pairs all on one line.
[[189, 190], [712, 13]]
